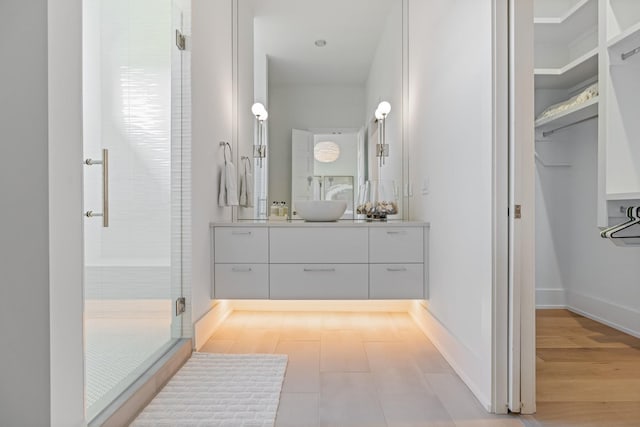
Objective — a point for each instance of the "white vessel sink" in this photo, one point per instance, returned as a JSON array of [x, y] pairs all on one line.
[[320, 210]]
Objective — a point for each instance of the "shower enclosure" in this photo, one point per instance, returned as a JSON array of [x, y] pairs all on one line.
[[135, 102]]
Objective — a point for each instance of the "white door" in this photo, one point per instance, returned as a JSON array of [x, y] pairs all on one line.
[[303, 184], [132, 191]]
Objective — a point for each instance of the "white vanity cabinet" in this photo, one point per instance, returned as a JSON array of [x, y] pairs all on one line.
[[396, 257], [313, 261], [241, 262]]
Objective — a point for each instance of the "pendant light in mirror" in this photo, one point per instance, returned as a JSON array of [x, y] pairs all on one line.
[[326, 151]]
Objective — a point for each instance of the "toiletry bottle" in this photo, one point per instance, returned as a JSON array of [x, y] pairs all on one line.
[[285, 209], [281, 209], [274, 209]]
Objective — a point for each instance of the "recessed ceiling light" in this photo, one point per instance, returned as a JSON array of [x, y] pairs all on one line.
[[321, 43]]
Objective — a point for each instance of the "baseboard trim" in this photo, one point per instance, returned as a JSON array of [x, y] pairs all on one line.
[[209, 322], [614, 315], [447, 344], [133, 400], [551, 298]]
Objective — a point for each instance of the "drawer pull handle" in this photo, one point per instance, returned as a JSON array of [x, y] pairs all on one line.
[[241, 270], [317, 270], [240, 233], [396, 232], [396, 269]]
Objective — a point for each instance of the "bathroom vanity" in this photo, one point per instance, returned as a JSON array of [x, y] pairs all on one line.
[[319, 261]]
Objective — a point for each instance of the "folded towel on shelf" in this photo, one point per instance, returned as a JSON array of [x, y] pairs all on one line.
[[228, 195], [559, 108], [246, 185]]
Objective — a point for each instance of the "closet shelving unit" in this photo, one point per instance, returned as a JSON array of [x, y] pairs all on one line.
[[619, 136], [566, 57], [580, 42], [567, 118], [566, 44]]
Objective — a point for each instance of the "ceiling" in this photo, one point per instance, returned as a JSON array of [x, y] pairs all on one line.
[[286, 30]]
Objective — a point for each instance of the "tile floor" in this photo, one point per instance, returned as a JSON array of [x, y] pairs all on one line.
[[356, 370]]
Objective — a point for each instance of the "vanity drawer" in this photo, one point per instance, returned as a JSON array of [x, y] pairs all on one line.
[[319, 281], [319, 245], [241, 245], [396, 281], [241, 281], [396, 244]]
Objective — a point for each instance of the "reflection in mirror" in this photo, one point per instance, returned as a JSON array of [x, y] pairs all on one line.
[[321, 69], [326, 166]]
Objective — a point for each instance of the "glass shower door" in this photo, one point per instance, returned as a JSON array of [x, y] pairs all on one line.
[[132, 261]]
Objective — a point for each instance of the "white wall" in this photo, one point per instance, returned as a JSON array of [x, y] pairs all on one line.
[[553, 201], [305, 107], [212, 102], [450, 134], [599, 279], [24, 218]]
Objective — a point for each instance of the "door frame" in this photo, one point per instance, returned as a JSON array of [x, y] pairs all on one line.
[[66, 230], [513, 359], [520, 177]]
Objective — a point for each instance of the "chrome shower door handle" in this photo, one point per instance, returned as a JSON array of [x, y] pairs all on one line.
[[105, 187]]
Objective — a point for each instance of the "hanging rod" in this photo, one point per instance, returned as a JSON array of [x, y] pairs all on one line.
[[629, 54], [551, 132]]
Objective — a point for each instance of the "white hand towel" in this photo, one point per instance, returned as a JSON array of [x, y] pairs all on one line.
[[249, 179], [232, 187], [246, 186], [228, 195], [243, 189], [222, 193]]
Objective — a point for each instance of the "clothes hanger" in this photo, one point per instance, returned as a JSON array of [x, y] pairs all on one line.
[[633, 217], [628, 233]]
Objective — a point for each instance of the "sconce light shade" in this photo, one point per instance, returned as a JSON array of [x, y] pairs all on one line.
[[384, 107], [259, 111], [326, 151]]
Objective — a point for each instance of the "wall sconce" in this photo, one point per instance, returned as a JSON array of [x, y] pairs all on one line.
[[261, 114], [382, 148]]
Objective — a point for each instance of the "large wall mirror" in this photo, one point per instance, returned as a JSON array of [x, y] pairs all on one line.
[[320, 69]]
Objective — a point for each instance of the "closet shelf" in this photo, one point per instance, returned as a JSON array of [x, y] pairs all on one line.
[[623, 196], [567, 118], [565, 29], [558, 19], [577, 71], [625, 41]]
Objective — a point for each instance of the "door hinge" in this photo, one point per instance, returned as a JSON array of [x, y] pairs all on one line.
[[181, 305], [518, 212], [181, 40]]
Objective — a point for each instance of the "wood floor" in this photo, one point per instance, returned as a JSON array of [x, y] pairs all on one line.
[[588, 374], [357, 370]]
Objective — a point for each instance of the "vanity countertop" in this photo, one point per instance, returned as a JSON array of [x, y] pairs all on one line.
[[302, 223]]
